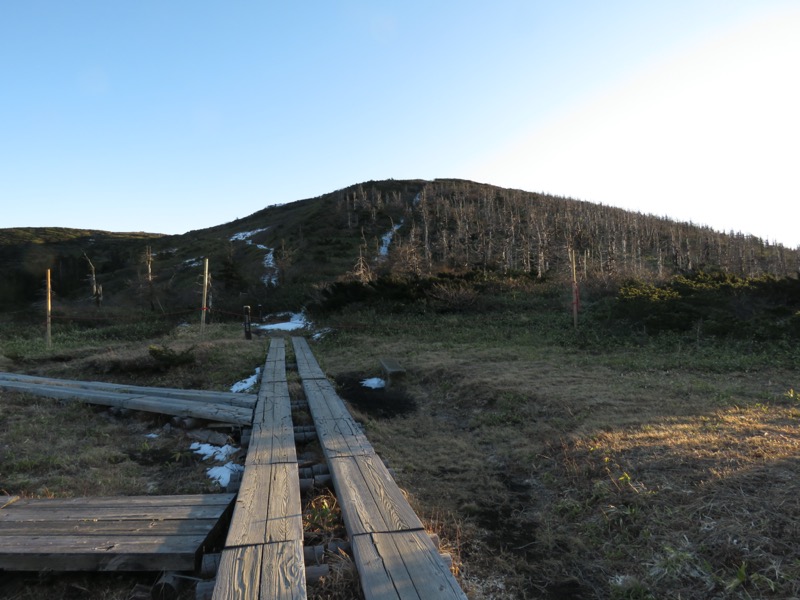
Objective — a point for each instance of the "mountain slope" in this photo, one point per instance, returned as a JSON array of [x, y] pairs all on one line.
[[277, 256]]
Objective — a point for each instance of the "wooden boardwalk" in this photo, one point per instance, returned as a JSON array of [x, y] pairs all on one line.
[[263, 556], [395, 557], [145, 533], [214, 406]]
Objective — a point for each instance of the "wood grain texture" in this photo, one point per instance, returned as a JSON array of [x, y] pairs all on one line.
[[403, 565], [275, 365], [239, 574], [268, 506], [338, 432], [262, 572], [369, 498], [307, 365], [394, 555], [283, 571], [147, 403], [230, 398], [108, 534]]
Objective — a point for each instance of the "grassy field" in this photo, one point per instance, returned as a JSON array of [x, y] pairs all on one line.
[[553, 463]]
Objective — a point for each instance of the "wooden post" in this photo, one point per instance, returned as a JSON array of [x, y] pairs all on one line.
[[576, 300], [248, 334], [205, 297], [49, 336]]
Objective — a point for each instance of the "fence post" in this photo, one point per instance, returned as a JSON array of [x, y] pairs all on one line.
[[49, 336], [205, 297], [248, 334]]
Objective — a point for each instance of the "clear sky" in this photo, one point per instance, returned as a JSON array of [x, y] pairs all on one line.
[[145, 115]]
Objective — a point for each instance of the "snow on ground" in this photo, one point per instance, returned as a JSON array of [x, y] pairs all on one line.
[[374, 383], [244, 236], [193, 262], [296, 321], [222, 475], [246, 384], [321, 333], [271, 278], [209, 451], [151, 436], [386, 239]]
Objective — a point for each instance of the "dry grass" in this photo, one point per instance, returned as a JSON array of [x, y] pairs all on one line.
[[571, 474], [54, 449]]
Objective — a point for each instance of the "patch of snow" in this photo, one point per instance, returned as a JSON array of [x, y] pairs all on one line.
[[271, 278], [386, 239], [296, 321], [244, 236], [374, 383], [193, 262], [321, 334], [208, 451], [152, 436], [222, 475], [417, 198], [246, 384]]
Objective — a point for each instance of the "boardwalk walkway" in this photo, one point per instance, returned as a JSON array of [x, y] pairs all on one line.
[[395, 557], [263, 556]]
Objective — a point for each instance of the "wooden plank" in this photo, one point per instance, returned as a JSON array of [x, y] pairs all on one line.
[[275, 365], [268, 507], [369, 498], [168, 406], [230, 398], [267, 572], [89, 527], [283, 571], [97, 553], [338, 432], [90, 503], [307, 365], [239, 573], [108, 513], [403, 565], [272, 445]]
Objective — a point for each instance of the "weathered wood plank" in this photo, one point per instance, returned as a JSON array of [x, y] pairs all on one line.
[[90, 553], [275, 365], [108, 513], [128, 527], [270, 445], [268, 507], [239, 574], [403, 565], [394, 556], [382, 577], [283, 571], [230, 398], [168, 406], [90, 503], [369, 498], [307, 365], [338, 432]]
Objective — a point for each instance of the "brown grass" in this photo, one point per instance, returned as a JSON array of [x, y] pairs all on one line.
[[569, 475]]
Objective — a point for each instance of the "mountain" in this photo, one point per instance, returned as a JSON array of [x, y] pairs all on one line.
[[279, 257]]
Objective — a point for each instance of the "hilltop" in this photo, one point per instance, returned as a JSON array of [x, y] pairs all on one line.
[[389, 240]]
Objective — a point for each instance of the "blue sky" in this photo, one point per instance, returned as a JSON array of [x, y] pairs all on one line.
[[170, 116]]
